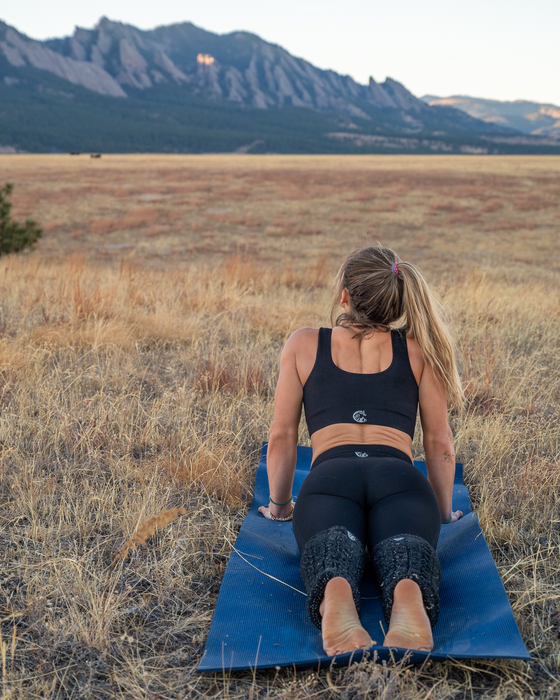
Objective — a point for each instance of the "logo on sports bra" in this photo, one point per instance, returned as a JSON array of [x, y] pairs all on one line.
[[360, 417]]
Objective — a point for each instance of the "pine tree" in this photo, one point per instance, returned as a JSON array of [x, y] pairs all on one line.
[[13, 235]]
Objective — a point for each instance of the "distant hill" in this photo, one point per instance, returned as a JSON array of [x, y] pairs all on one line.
[[533, 118], [180, 88]]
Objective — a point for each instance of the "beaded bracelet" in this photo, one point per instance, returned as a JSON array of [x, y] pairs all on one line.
[[444, 522], [279, 504]]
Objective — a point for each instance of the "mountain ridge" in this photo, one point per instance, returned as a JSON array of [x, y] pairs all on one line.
[[526, 116], [129, 57], [185, 87]]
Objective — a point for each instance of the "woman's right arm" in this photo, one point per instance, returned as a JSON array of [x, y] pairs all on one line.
[[438, 443], [282, 445]]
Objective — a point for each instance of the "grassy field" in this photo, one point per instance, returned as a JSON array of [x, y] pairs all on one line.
[[139, 347]]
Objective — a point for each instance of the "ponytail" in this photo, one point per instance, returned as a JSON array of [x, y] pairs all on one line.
[[423, 316], [387, 293]]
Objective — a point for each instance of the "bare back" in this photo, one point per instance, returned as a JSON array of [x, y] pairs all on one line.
[[370, 355]]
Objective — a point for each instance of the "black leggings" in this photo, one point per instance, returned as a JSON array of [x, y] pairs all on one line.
[[374, 497], [370, 496]]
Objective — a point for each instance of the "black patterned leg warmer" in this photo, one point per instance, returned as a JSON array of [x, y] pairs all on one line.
[[328, 554], [408, 556]]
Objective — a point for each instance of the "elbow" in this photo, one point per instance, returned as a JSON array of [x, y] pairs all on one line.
[[439, 443], [282, 436]]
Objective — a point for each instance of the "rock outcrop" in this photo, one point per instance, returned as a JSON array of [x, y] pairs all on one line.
[[21, 51], [114, 58]]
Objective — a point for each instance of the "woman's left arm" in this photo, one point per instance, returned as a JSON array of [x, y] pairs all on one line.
[[282, 446], [438, 444]]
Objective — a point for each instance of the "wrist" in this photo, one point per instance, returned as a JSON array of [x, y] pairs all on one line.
[[448, 520]]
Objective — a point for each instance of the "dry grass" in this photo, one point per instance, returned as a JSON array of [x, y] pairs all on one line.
[[288, 210], [138, 380]]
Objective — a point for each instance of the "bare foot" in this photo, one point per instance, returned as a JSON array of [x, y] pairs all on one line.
[[341, 628], [409, 627]]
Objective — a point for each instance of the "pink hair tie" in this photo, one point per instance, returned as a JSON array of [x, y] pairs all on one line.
[[395, 269]]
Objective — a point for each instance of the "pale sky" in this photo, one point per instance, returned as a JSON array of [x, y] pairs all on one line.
[[501, 49]]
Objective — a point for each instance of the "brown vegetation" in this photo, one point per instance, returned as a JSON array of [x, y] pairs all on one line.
[[137, 373]]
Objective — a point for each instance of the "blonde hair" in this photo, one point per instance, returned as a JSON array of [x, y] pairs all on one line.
[[381, 299]]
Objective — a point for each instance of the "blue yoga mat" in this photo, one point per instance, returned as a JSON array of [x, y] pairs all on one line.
[[260, 622]]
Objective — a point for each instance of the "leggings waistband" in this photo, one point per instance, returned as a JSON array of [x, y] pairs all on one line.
[[360, 451]]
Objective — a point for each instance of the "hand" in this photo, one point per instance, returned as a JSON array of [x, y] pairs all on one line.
[[455, 515], [277, 511]]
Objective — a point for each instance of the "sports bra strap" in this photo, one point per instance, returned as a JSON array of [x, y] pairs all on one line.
[[324, 353]]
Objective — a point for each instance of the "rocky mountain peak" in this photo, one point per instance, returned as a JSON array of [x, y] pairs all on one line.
[[182, 69], [114, 58]]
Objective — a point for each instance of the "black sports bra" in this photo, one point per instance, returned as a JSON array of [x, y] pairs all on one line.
[[389, 398]]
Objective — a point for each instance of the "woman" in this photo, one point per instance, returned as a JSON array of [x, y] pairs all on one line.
[[361, 384]]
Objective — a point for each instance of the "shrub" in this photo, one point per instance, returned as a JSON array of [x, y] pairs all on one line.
[[13, 235]]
